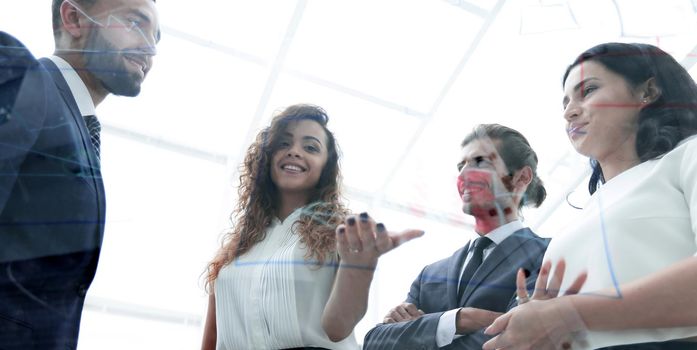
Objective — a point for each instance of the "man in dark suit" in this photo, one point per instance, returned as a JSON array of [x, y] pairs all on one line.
[[452, 300], [52, 203]]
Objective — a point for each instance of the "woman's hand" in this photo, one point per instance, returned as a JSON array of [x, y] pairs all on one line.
[[546, 322], [545, 290], [538, 325], [360, 241]]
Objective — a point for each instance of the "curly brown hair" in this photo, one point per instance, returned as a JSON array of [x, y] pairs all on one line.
[[258, 196]]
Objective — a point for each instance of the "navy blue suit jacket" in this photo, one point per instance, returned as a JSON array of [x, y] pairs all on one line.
[[51, 204], [435, 291]]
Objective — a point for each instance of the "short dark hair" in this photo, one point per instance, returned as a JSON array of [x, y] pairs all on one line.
[[516, 152], [56, 13], [663, 123]]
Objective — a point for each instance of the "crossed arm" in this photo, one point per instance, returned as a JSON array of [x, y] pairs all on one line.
[[406, 326]]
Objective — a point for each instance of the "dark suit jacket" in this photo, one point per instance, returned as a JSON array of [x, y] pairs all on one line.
[[51, 204], [435, 291]]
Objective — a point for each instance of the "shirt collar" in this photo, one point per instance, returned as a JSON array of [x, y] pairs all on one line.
[[292, 217], [77, 86], [502, 232]]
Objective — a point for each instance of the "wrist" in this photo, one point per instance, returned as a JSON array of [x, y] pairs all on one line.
[[568, 314], [461, 326], [357, 272], [358, 263], [458, 315]]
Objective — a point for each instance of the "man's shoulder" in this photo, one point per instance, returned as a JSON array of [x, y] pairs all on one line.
[[445, 262], [524, 244], [15, 58], [528, 236]]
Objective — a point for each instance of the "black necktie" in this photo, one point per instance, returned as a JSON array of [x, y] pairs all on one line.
[[473, 264], [94, 128]]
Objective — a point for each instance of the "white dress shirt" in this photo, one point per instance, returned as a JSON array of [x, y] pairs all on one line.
[[77, 86], [446, 331], [640, 222], [272, 298]]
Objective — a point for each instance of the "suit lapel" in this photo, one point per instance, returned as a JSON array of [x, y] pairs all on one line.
[[69, 100], [61, 84], [92, 161], [454, 269], [500, 253]]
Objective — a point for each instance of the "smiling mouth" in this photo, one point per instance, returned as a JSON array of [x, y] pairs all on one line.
[[292, 168], [475, 184], [470, 187], [576, 130], [138, 62]]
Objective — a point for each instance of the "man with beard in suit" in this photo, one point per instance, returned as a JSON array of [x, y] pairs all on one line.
[[52, 202]]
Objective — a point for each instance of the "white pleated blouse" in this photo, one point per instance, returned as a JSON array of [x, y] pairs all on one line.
[[640, 222], [272, 298]]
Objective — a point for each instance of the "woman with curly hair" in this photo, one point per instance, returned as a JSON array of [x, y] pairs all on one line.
[[282, 279], [632, 109]]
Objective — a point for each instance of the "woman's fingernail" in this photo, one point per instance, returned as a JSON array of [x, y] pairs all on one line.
[[351, 221], [380, 227], [364, 216], [342, 230], [526, 272]]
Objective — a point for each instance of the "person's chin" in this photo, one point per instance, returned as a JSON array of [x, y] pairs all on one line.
[[123, 81], [477, 209], [580, 143], [127, 89], [467, 208], [291, 186], [582, 148], [470, 205]]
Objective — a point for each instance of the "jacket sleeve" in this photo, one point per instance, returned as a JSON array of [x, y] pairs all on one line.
[[417, 334], [22, 110]]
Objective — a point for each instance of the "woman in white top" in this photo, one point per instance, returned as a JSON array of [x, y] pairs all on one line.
[[276, 281], [632, 109]]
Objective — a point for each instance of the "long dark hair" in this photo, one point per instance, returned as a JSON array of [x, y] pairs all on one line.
[[662, 123], [258, 195], [516, 152]]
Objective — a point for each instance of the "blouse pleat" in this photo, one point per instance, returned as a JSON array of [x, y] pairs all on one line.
[[272, 298]]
